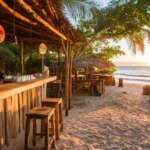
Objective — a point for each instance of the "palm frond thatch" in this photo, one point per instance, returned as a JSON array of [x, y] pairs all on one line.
[[92, 61]]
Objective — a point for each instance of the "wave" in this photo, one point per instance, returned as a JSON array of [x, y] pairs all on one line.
[[133, 79], [135, 75]]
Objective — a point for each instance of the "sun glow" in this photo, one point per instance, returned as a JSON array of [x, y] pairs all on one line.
[[147, 53], [133, 60]]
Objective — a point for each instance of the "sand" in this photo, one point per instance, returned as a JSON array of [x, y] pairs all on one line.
[[117, 120]]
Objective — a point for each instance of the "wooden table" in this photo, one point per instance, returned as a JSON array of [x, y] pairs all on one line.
[[93, 80], [16, 99], [108, 78]]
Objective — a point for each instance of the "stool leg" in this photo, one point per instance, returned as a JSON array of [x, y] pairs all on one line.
[[42, 127], [57, 121], [27, 130], [53, 130], [34, 132], [46, 124], [61, 116]]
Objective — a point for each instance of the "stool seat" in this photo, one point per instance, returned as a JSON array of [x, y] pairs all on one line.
[[53, 100], [57, 104], [45, 114], [40, 112]]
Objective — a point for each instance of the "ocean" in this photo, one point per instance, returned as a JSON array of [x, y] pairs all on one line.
[[138, 74]]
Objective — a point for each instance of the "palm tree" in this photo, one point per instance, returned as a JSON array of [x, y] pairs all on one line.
[[77, 10]]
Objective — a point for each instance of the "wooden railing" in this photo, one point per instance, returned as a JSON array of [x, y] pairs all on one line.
[[15, 100]]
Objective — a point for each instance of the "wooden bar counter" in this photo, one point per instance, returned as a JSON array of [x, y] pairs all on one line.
[[16, 99]]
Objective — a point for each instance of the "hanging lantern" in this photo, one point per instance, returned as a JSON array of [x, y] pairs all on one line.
[[42, 49], [2, 34]]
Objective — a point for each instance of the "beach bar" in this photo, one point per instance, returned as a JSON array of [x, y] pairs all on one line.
[[32, 23], [16, 99]]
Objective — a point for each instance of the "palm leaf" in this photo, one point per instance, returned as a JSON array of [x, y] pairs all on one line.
[[6, 50], [79, 9]]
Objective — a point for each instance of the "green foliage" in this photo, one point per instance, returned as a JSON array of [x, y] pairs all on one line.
[[109, 52], [120, 19], [5, 52], [78, 9]]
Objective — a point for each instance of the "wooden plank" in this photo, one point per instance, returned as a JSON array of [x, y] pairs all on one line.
[[38, 99], [33, 101], [24, 108], [8, 120], [15, 125], [28, 100], [20, 112], [40, 94], [2, 125], [44, 90]]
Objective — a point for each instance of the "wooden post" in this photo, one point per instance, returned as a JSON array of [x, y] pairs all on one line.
[[59, 72], [42, 56], [76, 74], [8, 120], [120, 82], [21, 58], [86, 72], [66, 81], [15, 128], [20, 104], [65, 48], [2, 126], [24, 107], [90, 72], [70, 76]]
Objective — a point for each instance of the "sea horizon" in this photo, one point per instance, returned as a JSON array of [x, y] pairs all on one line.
[[136, 74]]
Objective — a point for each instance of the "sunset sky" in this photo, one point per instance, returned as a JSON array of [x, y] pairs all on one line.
[[130, 59]]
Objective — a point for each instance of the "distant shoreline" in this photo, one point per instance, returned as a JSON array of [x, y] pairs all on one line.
[[132, 82]]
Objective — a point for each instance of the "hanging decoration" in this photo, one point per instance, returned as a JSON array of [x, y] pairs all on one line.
[[2, 34], [42, 49]]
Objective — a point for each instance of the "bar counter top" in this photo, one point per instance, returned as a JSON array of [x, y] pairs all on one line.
[[9, 89]]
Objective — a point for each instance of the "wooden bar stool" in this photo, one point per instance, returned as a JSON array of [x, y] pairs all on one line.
[[45, 114], [57, 104]]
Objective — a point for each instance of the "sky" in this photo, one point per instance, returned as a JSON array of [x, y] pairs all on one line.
[[130, 59]]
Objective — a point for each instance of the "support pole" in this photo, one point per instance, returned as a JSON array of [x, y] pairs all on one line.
[[76, 74], [65, 48], [66, 80], [21, 58], [70, 77], [42, 56]]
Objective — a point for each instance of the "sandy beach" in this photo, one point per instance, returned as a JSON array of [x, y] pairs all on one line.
[[117, 120]]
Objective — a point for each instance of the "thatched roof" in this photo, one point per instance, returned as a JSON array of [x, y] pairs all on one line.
[[92, 61], [36, 20], [85, 61]]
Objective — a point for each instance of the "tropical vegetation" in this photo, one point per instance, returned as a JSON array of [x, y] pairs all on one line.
[[99, 26]]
